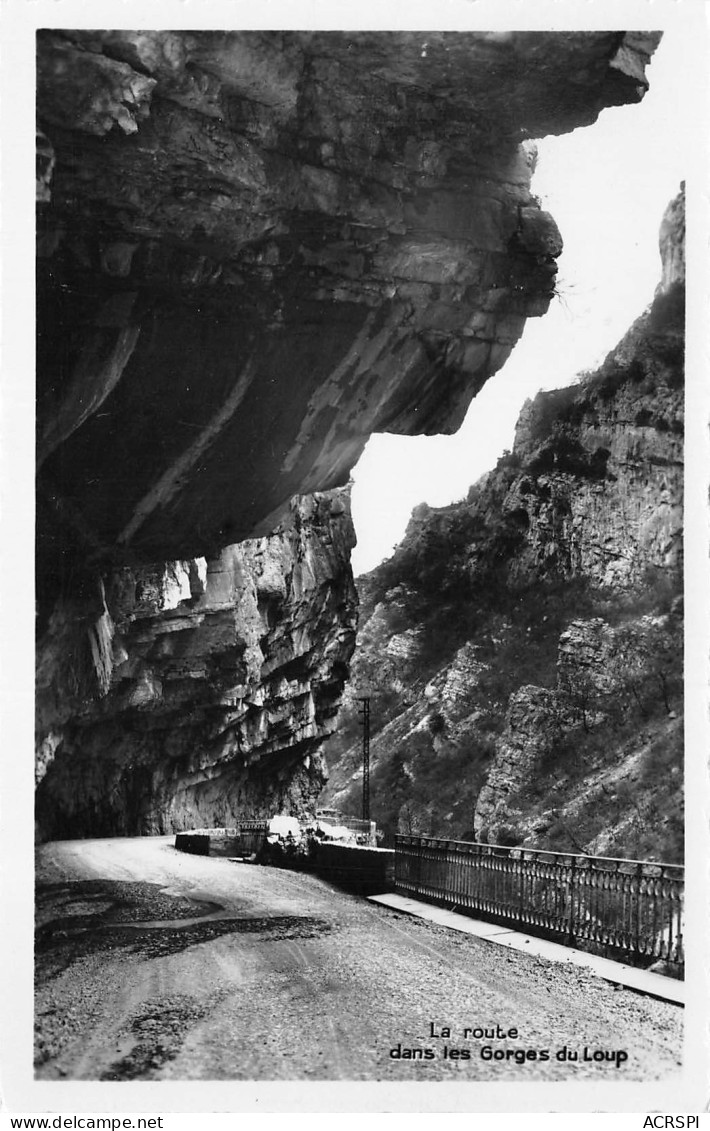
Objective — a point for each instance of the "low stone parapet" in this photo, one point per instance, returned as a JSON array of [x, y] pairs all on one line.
[[357, 868], [197, 844], [211, 842]]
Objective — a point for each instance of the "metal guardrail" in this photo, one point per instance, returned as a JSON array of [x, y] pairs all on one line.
[[632, 906]]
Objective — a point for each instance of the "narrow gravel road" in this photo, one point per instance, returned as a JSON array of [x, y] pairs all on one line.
[[152, 964]]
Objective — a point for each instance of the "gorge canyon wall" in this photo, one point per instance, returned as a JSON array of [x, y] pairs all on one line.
[[199, 691], [254, 249], [523, 649]]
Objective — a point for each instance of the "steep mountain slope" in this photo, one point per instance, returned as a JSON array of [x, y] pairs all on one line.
[[523, 648]]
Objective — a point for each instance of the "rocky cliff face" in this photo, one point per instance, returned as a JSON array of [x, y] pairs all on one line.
[[530, 681], [196, 692], [604, 497], [254, 250], [550, 773], [258, 248]]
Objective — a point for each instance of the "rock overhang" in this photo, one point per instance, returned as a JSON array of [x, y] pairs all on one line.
[[258, 248]]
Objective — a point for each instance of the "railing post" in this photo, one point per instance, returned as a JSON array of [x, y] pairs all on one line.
[[637, 940], [570, 933]]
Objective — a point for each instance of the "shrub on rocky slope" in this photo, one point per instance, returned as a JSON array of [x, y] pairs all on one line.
[[523, 648]]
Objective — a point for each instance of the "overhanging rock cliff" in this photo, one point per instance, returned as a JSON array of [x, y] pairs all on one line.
[[254, 250], [258, 248]]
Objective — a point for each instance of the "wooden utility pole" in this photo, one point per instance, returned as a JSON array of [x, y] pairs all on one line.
[[365, 715]]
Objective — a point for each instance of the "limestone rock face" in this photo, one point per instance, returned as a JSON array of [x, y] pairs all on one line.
[[197, 692], [538, 700], [254, 250], [672, 241], [257, 248], [599, 668], [601, 495], [532, 728]]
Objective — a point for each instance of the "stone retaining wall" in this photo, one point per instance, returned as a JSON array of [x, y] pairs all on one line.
[[354, 867]]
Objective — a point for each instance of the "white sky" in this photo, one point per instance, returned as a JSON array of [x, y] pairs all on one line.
[[607, 186]]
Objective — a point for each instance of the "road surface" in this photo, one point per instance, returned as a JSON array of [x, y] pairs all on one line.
[[152, 964]]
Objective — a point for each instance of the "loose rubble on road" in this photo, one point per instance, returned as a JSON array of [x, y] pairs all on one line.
[[152, 964]]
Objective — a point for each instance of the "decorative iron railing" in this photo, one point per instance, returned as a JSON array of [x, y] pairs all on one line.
[[629, 906]]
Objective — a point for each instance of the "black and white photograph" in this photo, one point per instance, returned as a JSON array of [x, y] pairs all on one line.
[[363, 629]]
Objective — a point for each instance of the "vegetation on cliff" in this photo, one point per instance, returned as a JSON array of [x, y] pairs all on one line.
[[523, 648]]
